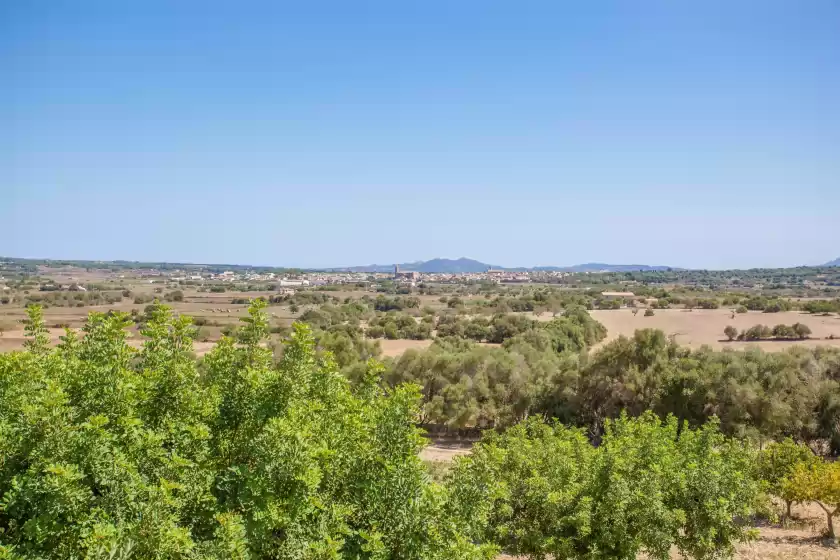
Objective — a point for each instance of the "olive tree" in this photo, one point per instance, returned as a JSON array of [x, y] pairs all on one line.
[[730, 332]]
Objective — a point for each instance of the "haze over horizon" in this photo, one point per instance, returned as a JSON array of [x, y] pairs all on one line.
[[333, 134]]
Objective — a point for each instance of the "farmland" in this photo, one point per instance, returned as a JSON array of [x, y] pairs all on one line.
[[460, 358], [700, 327]]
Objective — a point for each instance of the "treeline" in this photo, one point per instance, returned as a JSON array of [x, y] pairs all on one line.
[[111, 452], [796, 331], [464, 384], [822, 306], [69, 298], [766, 395]]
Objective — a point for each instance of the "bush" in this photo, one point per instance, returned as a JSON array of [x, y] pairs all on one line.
[[545, 491], [801, 331], [111, 454], [649, 313]]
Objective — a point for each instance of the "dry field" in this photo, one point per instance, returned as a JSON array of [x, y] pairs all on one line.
[[394, 348], [215, 308], [705, 326]]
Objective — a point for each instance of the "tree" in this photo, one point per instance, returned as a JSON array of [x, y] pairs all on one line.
[[108, 451], [783, 331], [801, 331], [543, 491], [777, 462], [555, 305], [817, 482], [758, 332], [730, 332]]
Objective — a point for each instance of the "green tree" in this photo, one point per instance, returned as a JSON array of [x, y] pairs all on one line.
[[817, 482], [108, 451], [543, 491], [730, 332], [783, 331], [801, 331], [777, 462]]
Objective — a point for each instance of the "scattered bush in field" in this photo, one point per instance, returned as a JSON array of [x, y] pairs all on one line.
[[649, 313], [822, 306], [797, 331], [730, 332], [176, 295]]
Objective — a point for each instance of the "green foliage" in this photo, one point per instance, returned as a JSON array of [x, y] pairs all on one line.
[[730, 332], [777, 462], [397, 325], [816, 481], [782, 332], [822, 306], [544, 491], [468, 385], [649, 313], [107, 451]]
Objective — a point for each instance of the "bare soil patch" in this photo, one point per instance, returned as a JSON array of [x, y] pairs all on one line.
[[705, 326], [393, 348]]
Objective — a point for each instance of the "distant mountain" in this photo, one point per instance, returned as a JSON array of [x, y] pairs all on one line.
[[464, 265], [449, 265], [835, 262]]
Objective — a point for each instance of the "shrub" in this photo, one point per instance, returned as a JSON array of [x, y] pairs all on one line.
[[542, 490], [109, 452], [801, 331], [649, 313]]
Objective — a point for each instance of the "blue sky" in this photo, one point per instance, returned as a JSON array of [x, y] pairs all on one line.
[[695, 134]]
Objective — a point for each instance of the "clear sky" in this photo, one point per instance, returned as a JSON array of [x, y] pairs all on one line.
[[694, 134]]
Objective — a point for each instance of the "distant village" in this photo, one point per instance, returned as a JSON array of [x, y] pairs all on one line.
[[411, 277]]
